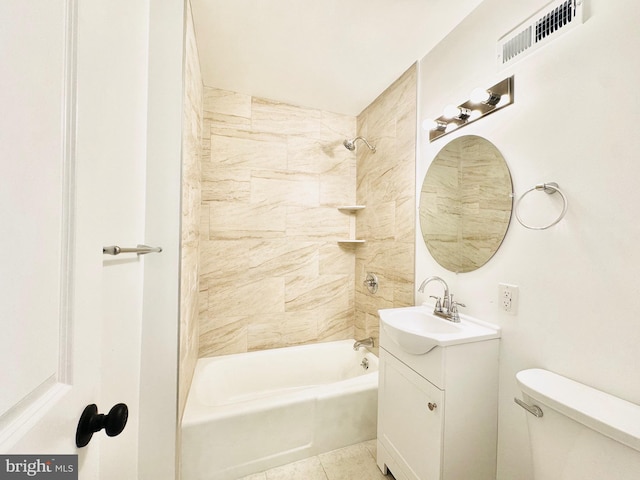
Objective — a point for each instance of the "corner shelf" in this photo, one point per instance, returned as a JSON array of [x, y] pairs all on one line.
[[351, 210]]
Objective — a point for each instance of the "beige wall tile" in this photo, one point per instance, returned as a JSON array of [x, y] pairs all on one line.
[[190, 222], [223, 337], [227, 103], [249, 153], [319, 223], [338, 188], [403, 291], [282, 330], [281, 257], [246, 220], [336, 127], [332, 260], [204, 221], [268, 116], [405, 220], [285, 188], [229, 184], [359, 327], [242, 296], [221, 124], [339, 326], [313, 155], [269, 268], [270, 185], [220, 258], [312, 293], [366, 302], [377, 222], [385, 184]]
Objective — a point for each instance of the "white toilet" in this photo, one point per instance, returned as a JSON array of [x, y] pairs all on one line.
[[582, 433]]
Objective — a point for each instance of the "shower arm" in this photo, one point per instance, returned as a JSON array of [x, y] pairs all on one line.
[[371, 147]]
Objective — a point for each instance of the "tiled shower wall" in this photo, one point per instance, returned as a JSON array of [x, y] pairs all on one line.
[[190, 234], [271, 271], [386, 185]]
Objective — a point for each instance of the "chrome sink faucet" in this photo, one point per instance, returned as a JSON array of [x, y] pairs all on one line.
[[446, 308], [440, 307]]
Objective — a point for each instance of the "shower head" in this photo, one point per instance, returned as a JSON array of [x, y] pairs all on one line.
[[351, 144]]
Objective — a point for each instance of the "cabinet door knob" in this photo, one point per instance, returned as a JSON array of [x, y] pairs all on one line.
[[432, 406]]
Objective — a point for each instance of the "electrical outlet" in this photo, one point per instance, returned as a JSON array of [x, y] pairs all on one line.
[[508, 298]]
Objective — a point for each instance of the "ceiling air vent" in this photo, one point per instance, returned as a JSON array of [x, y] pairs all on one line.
[[547, 24]]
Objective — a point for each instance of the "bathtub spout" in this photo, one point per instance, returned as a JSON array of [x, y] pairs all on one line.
[[367, 342]]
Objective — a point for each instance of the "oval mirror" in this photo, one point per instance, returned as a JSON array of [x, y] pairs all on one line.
[[466, 203]]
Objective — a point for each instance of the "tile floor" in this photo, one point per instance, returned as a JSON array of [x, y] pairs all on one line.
[[355, 462]]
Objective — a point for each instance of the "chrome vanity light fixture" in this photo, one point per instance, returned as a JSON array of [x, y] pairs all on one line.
[[482, 101]]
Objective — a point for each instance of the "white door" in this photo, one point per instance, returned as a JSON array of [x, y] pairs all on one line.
[[73, 88], [49, 286]]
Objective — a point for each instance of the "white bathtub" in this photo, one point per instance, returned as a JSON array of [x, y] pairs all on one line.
[[253, 411]]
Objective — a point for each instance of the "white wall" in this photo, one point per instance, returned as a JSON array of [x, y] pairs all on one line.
[[135, 52], [159, 366], [575, 122], [118, 57]]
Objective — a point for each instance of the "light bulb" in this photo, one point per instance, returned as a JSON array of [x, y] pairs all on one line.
[[479, 95], [475, 114], [429, 124], [504, 100], [451, 111]]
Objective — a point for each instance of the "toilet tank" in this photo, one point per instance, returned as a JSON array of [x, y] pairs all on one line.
[[583, 433]]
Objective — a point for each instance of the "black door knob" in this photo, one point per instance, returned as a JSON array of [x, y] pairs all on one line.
[[91, 422]]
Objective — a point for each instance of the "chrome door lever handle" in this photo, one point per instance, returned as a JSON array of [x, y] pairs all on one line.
[[140, 250]]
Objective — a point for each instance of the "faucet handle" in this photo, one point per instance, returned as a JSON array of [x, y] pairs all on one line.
[[438, 305], [453, 305], [453, 310]]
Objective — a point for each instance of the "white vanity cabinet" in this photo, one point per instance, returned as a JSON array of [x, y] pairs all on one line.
[[437, 412]]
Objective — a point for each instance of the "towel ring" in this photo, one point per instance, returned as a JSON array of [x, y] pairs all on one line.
[[549, 188]]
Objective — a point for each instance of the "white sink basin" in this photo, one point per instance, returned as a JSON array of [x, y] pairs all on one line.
[[417, 330]]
